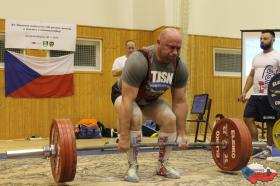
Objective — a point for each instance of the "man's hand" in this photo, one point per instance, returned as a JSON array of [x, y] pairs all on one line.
[[124, 143], [182, 141], [242, 97]]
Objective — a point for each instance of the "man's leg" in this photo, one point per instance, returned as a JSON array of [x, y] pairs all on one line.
[[135, 138], [252, 113], [268, 150], [160, 112], [132, 154], [117, 104], [250, 122], [269, 115], [269, 127]]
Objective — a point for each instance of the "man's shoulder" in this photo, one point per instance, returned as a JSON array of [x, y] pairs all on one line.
[[276, 52], [272, 53], [137, 55], [149, 49], [121, 58], [182, 64]]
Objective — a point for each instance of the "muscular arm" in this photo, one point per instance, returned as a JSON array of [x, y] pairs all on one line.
[[180, 108], [117, 72], [129, 94], [248, 85], [249, 82]]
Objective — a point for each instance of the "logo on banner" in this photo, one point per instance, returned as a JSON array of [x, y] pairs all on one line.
[[51, 43], [48, 43], [45, 43]]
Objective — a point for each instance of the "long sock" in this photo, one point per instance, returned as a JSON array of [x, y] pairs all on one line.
[[135, 138], [164, 151]]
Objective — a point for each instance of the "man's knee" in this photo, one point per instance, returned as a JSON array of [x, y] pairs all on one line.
[[117, 103], [167, 121], [136, 121], [249, 121]]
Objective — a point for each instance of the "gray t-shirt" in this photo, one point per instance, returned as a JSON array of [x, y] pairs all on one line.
[[162, 76]]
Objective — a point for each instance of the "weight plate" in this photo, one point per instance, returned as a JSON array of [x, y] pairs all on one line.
[[64, 159], [276, 134], [273, 92], [239, 144]]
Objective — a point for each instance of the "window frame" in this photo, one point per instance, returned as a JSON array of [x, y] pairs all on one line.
[[99, 62], [225, 51]]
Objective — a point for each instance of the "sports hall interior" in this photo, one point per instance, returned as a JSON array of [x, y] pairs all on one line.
[[204, 24]]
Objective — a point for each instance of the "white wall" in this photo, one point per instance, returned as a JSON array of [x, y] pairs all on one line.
[[227, 17], [203, 17], [107, 13], [131, 14], [172, 12], [148, 14]]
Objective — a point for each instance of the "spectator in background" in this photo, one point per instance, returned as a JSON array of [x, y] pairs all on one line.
[[264, 66], [120, 61], [217, 118]]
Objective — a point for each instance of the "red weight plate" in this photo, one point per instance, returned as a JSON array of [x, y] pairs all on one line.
[[71, 167], [244, 158], [250, 147], [55, 159], [239, 145], [247, 141], [64, 161]]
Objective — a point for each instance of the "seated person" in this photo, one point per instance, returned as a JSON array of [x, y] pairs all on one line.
[[217, 118]]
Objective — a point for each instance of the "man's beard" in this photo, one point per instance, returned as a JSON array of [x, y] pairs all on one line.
[[266, 46]]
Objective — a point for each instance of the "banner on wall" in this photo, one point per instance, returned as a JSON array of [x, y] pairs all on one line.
[[38, 35], [37, 77]]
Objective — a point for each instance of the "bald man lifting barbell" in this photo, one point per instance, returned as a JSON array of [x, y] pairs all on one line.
[[148, 73]]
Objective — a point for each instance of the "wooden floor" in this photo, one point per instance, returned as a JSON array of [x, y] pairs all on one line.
[[195, 166]]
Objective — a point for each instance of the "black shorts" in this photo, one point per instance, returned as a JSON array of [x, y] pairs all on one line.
[[115, 93], [258, 107]]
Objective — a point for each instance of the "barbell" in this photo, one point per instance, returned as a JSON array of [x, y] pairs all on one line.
[[231, 147]]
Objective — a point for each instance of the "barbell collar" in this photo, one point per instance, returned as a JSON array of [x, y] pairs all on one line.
[[46, 151], [259, 144], [26, 152]]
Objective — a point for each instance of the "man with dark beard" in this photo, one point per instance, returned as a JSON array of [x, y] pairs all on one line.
[[264, 66]]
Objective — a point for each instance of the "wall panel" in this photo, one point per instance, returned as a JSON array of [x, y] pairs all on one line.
[[224, 91]]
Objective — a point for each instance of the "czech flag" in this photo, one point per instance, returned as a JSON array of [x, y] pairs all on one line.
[[37, 77]]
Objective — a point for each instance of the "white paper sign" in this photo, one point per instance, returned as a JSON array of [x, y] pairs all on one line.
[[38, 35]]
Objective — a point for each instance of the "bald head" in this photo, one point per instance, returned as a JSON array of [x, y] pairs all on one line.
[[169, 33], [168, 45]]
